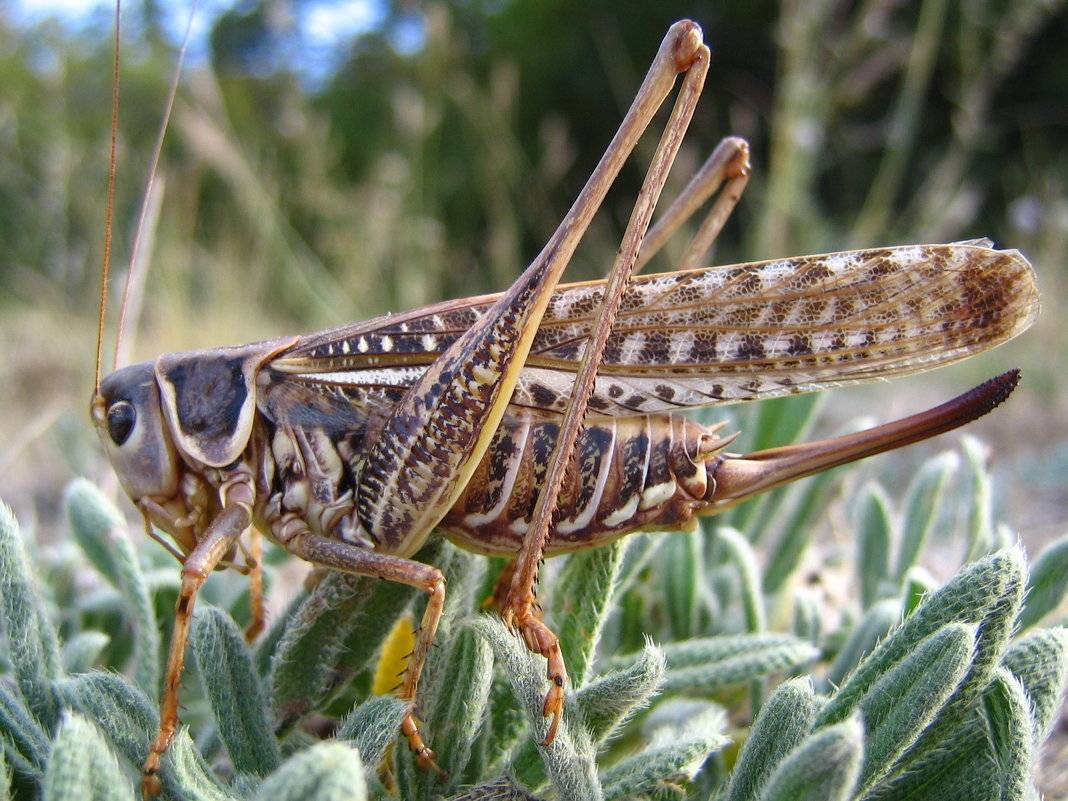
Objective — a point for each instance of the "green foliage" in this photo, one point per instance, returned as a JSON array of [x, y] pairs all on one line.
[[901, 705], [82, 767], [371, 727], [922, 505], [1047, 585], [824, 766], [873, 546], [783, 722], [928, 693], [980, 526], [1040, 662], [100, 530], [324, 772], [34, 659], [234, 691], [583, 599]]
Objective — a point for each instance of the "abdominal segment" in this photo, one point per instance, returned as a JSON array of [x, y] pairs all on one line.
[[627, 473]]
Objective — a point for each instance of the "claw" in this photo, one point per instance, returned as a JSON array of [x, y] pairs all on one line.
[[151, 786], [539, 639], [425, 758], [254, 630], [554, 706]]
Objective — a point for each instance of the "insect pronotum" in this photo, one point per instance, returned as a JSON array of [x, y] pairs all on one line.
[[545, 419]]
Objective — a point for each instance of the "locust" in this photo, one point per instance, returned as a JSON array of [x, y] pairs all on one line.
[[545, 419]]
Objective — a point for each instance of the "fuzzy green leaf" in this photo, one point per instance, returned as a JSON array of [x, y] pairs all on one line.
[[118, 708], [823, 768], [20, 729], [581, 599], [675, 754], [5, 778], [82, 651], [100, 530], [986, 593], [22, 770], [82, 767], [680, 569], [978, 502], [1008, 715], [965, 765], [960, 769], [899, 706], [1047, 585], [874, 535], [923, 503], [506, 723], [186, 776], [33, 644], [781, 726], [916, 585], [808, 624], [342, 622], [741, 555], [877, 622], [605, 704], [994, 634], [372, 727], [1040, 662], [569, 759], [808, 498], [608, 701], [707, 664], [237, 699], [129, 720], [267, 644], [325, 772]]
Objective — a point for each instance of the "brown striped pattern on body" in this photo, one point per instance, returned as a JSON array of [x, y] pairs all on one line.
[[627, 473]]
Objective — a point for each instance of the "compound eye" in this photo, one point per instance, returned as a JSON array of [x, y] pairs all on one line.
[[121, 419]]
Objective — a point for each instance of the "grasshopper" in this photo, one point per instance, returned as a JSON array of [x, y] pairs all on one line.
[[545, 419]]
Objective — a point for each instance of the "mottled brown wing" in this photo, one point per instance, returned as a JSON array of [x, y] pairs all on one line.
[[715, 335]]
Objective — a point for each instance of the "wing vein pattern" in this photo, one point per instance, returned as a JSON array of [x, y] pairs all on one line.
[[709, 336]]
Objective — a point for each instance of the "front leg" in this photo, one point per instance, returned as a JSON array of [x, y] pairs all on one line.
[[220, 536], [343, 556]]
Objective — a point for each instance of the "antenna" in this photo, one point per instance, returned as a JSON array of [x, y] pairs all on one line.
[[109, 206], [146, 199]]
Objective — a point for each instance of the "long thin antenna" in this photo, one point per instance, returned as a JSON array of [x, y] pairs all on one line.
[[149, 185], [109, 206]]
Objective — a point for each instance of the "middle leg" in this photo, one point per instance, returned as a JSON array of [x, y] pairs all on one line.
[[338, 555]]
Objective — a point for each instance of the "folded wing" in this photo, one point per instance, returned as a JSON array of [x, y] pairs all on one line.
[[715, 335]]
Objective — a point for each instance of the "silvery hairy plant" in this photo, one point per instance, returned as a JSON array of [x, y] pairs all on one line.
[[701, 668]]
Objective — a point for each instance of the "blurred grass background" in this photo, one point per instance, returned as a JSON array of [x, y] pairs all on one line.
[[429, 156]]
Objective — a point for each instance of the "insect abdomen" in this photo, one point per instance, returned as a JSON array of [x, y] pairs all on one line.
[[627, 473]]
